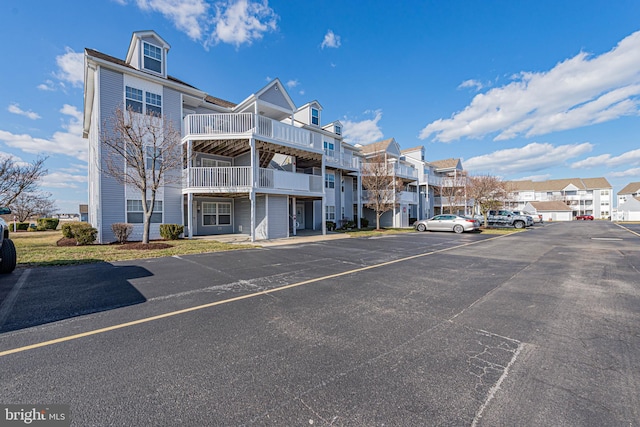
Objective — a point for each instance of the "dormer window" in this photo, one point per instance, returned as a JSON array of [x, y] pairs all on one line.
[[338, 129], [315, 116], [152, 57]]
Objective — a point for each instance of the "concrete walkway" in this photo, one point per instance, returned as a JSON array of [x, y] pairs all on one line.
[[301, 237]]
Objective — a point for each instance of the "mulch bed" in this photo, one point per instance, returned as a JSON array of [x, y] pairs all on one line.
[[137, 246]]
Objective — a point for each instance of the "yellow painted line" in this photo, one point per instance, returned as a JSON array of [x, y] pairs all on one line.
[[630, 231], [230, 300]]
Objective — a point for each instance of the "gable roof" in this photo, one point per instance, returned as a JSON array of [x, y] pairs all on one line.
[[560, 184], [375, 147], [553, 205], [446, 164], [632, 187]]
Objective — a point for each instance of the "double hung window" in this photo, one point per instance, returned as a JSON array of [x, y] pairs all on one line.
[[329, 180], [216, 213], [152, 57], [134, 100], [135, 214]]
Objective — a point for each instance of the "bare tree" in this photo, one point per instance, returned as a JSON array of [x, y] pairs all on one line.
[[27, 205], [453, 191], [488, 192], [17, 178], [141, 151], [381, 185]]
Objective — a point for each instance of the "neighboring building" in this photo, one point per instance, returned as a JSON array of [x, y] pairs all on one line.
[[262, 167], [630, 191], [404, 172], [84, 213], [585, 196], [629, 203], [554, 210]]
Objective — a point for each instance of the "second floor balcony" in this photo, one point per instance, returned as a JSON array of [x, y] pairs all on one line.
[[341, 160], [247, 125], [240, 179]]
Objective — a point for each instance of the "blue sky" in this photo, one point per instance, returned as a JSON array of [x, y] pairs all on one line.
[[518, 89]]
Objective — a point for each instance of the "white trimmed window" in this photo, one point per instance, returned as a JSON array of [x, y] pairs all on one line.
[[329, 180], [331, 213], [154, 104], [216, 213], [152, 57], [315, 116], [153, 160], [135, 215], [338, 129], [133, 98]]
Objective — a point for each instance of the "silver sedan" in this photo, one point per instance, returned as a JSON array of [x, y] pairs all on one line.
[[449, 222]]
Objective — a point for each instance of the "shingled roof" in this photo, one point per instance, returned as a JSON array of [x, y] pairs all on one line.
[[445, 164], [120, 62], [631, 188], [560, 184], [553, 205]]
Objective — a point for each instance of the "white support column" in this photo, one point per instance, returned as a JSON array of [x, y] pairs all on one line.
[[190, 214], [295, 216], [324, 200], [252, 193], [359, 192]]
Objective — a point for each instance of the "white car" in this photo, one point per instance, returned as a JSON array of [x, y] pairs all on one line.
[[448, 222]]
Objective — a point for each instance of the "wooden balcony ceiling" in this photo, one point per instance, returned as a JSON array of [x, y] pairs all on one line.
[[222, 147]]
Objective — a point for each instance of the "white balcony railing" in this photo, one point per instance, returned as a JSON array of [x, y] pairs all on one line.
[[342, 160], [245, 124], [239, 179]]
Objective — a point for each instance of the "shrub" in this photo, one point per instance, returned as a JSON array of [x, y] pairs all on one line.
[[122, 231], [171, 231], [83, 232], [85, 235], [18, 226], [331, 225], [48, 223], [364, 222]]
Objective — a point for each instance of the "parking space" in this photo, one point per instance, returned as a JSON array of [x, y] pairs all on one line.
[[411, 329]]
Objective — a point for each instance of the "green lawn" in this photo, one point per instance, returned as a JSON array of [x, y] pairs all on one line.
[[40, 249]]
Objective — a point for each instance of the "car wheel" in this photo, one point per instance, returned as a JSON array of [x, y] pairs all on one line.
[[8, 255], [518, 224], [422, 227], [458, 228]]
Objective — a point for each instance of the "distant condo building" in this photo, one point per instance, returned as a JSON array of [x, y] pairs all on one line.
[[585, 196]]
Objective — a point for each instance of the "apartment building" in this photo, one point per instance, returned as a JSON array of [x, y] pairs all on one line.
[[629, 203], [262, 167], [585, 196], [405, 179]]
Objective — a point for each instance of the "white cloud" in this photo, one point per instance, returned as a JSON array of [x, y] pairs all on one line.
[[61, 179], [577, 92], [234, 22], [630, 158], [71, 68], [241, 21], [68, 142], [48, 85], [331, 40], [475, 84], [15, 109], [292, 83], [530, 158], [542, 177], [634, 172], [188, 16], [363, 132]]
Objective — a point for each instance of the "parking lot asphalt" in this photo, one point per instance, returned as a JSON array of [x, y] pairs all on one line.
[[534, 328]]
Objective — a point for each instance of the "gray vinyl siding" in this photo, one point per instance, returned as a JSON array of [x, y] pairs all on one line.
[[243, 160], [349, 198], [242, 216], [275, 97], [278, 216], [171, 110], [261, 219], [112, 203]]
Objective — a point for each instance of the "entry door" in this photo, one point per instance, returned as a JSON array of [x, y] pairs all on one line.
[[300, 215]]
